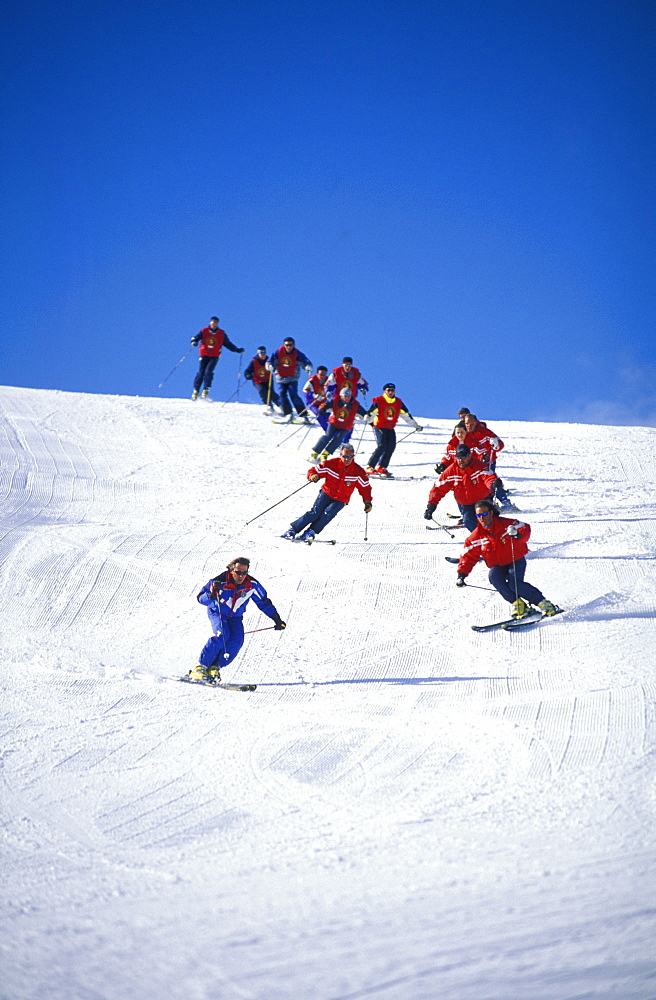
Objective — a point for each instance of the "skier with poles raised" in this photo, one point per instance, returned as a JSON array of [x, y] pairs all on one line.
[[226, 597], [385, 411], [502, 543], [211, 339], [258, 373], [341, 477]]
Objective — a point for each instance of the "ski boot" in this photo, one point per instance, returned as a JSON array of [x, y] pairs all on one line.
[[547, 608], [314, 456], [213, 675], [325, 455], [520, 608], [205, 394], [290, 535], [307, 536], [198, 674], [194, 394], [369, 469], [380, 471]]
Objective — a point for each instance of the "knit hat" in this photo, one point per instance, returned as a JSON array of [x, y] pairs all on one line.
[[462, 451]]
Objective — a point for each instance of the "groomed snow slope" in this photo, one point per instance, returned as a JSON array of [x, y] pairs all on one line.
[[404, 809]]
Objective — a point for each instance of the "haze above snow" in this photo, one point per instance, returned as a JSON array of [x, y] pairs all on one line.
[[404, 809]]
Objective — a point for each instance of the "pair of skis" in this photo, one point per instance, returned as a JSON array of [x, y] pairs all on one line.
[[515, 624], [221, 684]]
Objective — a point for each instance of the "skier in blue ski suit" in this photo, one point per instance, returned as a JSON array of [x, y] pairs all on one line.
[[226, 597]]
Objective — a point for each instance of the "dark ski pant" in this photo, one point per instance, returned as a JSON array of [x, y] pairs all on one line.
[[226, 642], [263, 389], [330, 440], [288, 396], [385, 445], [323, 510], [509, 581], [205, 373]]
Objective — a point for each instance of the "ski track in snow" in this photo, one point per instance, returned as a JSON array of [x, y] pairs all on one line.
[[404, 808]]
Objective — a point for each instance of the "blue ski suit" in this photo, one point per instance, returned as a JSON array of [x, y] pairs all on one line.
[[226, 612]]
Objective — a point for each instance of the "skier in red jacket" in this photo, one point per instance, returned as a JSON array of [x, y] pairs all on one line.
[[460, 436], [491, 444], [487, 440], [211, 339], [503, 543], [469, 481], [341, 476]]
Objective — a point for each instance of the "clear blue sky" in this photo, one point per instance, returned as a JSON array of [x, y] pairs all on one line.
[[460, 194]]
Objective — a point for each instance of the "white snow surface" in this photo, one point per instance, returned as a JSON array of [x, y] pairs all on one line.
[[404, 809]]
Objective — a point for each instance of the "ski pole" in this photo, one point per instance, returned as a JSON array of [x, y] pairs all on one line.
[[366, 524], [442, 527], [304, 437], [269, 389], [295, 431], [267, 628], [175, 366], [236, 392], [361, 436], [278, 503], [512, 549], [239, 376], [405, 436]]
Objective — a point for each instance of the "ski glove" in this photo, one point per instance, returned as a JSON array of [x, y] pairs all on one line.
[[440, 467], [194, 341], [215, 590], [512, 531], [314, 478], [240, 350], [308, 369], [367, 506], [279, 623], [495, 443], [460, 582], [430, 510], [418, 427]]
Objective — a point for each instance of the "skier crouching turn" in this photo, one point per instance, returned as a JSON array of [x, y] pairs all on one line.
[[226, 597], [503, 543]]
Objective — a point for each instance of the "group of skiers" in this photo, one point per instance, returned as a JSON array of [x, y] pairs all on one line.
[[467, 468]]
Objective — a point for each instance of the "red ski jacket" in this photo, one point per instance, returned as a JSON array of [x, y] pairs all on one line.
[[494, 545], [341, 479], [472, 443], [469, 484], [484, 438]]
